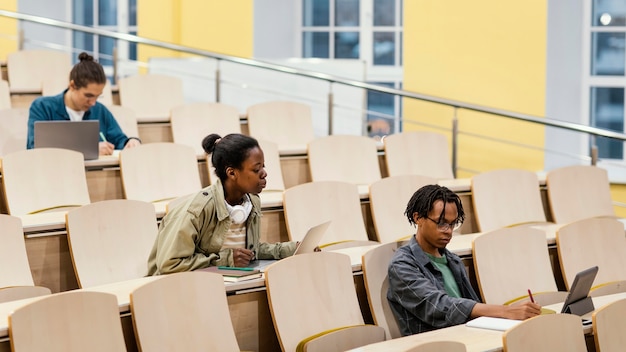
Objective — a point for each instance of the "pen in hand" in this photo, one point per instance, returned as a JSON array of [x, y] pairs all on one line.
[[530, 294], [102, 136]]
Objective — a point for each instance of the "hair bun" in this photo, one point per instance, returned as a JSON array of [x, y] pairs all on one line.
[[85, 57]]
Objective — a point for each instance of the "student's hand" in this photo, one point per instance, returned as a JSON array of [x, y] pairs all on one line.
[[105, 148], [522, 311], [242, 257], [132, 143]]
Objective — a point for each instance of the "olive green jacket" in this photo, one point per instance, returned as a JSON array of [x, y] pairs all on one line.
[[191, 235]]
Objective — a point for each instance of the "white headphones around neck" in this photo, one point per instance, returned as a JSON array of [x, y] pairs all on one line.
[[239, 213]]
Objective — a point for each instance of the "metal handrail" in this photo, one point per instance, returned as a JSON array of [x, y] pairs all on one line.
[[321, 76]]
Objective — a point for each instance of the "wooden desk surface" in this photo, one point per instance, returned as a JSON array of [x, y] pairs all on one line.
[[475, 339]]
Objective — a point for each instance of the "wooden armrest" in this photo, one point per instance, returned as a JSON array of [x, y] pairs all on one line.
[[343, 338]]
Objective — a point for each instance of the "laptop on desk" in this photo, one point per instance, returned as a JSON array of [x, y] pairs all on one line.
[[80, 136], [312, 238]]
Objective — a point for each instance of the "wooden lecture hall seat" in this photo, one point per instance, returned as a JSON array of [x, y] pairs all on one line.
[[44, 179], [375, 263], [194, 121], [313, 203], [508, 250], [159, 172], [27, 69], [546, 333], [506, 197], [13, 130], [192, 314], [72, 321], [110, 240], [388, 199], [589, 242], [16, 280], [286, 123], [345, 158], [151, 96], [418, 153], [323, 303]]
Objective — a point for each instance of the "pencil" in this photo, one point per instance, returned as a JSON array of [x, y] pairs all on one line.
[[530, 294], [102, 136], [234, 268]]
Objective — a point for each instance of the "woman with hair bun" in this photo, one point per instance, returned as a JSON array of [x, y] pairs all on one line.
[[79, 102], [220, 225]]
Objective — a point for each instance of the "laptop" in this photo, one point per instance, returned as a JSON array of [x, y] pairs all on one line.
[[81, 136], [312, 238], [578, 301]]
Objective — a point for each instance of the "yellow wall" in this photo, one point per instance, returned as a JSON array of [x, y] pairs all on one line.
[[490, 53], [8, 28], [214, 25]]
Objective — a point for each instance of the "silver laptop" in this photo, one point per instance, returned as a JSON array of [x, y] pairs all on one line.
[[312, 238], [81, 136]]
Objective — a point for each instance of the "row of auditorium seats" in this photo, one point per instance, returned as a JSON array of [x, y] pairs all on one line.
[[505, 249], [160, 172]]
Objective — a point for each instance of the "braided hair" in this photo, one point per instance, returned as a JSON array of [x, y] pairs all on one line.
[[423, 199]]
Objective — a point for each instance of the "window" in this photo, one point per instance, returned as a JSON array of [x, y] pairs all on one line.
[[367, 30], [105, 15], [606, 43]]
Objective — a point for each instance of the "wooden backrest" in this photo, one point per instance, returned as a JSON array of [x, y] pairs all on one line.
[[14, 293], [13, 130], [43, 179], [27, 69], [579, 192], [418, 153], [275, 181], [305, 305], [506, 197], [192, 314], [192, 122], [521, 257], [110, 240], [106, 97], [439, 346], [126, 118], [5, 95], [151, 96], [286, 123], [388, 199], [345, 158], [375, 266], [546, 333], [159, 171], [313, 203], [68, 322], [13, 257], [589, 242], [609, 324]]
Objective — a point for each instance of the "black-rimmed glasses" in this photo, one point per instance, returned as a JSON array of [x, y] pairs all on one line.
[[444, 226]]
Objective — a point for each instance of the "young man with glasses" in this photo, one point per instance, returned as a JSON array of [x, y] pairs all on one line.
[[428, 285]]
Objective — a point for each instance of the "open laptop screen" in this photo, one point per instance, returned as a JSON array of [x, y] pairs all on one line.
[[81, 136]]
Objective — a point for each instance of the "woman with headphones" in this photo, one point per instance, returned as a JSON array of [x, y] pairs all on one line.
[[220, 225]]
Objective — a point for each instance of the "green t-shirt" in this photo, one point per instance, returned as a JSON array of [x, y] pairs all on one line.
[[449, 283]]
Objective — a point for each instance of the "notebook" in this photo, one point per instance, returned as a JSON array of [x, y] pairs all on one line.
[[81, 136], [234, 274], [312, 238], [490, 323]]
